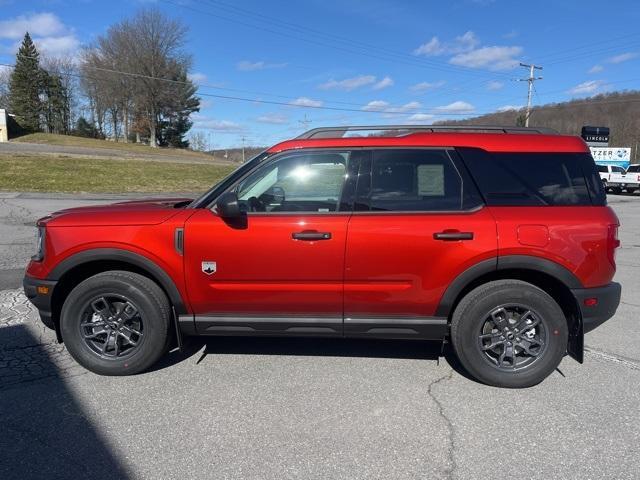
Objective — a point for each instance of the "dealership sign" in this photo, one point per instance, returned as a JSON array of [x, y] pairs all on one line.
[[595, 136], [611, 156]]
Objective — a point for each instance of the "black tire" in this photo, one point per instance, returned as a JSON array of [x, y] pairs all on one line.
[[631, 191], [472, 316], [116, 290], [616, 190]]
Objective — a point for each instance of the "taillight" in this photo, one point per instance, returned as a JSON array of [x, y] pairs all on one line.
[[612, 243]]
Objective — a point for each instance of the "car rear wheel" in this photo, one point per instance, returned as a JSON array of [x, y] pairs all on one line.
[[616, 190], [116, 323], [509, 333]]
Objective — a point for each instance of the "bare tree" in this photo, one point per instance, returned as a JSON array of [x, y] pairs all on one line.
[[136, 75]]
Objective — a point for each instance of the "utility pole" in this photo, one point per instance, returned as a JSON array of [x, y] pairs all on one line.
[[530, 80], [305, 123], [243, 148]]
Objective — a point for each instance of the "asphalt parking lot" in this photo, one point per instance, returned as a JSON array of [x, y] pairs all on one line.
[[287, 408]]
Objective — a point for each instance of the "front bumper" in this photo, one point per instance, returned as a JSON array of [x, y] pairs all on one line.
[[34, 289], [607, 301]]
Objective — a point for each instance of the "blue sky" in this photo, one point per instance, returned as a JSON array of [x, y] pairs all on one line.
[[362, 62]]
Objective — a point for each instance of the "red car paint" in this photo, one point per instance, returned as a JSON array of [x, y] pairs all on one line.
[[375, 263]]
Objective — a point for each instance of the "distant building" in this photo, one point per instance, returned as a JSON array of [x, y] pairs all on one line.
[[4, 127]]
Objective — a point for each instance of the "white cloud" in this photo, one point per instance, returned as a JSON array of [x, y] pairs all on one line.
[[206, 123], [197, 77], [494, 85], [384, 83], [51, 36], [37, 24], [596, 69], [407, 107], [305, 102], [434, 47], [492, 58], [624, 57], [457, 107], [590, 87], [425, 86], [421, 118], [376, 106], [247, 66], [348, 84], [511, 34], [57, 46], [506, 108], [273, 118]]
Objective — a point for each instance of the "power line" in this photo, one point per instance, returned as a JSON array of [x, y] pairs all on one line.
[[391, 110], [530, 81], [364, 51]]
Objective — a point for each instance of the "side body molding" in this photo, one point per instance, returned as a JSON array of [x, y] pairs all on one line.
[[500, 263], [115, 254]]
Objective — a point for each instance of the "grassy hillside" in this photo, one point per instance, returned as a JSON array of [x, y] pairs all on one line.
[[30, 173], [620, 111], [68, 140]]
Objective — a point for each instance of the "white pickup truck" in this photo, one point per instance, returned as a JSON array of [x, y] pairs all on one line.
[[616, 179]]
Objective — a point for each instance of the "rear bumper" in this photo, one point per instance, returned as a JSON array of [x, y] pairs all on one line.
[[608, 299], [41, 300]]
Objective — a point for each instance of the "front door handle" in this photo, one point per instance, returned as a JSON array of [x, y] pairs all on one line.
[[311, 235], [453, 235]]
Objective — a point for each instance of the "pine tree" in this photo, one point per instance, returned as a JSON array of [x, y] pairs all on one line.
[[25, 86]]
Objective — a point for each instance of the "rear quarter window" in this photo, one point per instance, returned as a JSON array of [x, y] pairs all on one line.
[[535, 179]]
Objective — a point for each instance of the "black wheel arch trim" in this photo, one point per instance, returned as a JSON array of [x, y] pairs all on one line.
[[126, 256], [506, 262]]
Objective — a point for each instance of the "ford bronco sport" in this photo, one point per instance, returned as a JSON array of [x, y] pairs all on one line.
[[495, 239]]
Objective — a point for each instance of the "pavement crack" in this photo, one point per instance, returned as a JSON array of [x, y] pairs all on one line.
[[451, 471], [613, 358]]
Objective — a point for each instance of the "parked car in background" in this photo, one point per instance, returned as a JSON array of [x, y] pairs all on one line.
[[615, 178], [498, 240]]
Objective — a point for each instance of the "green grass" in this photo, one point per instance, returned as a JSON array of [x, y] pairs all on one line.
[[32, 173], [69, 140]]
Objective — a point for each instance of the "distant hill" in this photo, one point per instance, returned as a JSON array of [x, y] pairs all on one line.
[[620, 111]]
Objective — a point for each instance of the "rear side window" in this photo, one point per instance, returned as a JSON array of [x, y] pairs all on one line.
[[415, 180], [558, 179], [603, 169]]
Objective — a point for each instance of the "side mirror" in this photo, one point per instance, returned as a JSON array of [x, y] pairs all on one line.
[[227, 206]]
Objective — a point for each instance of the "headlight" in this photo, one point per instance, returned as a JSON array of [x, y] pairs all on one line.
[[39, 245]]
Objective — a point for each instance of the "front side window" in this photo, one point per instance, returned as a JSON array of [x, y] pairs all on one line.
[[296, 182], [617, 169], [417, 180]]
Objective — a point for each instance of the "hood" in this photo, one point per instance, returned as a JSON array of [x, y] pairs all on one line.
[[136, 212]]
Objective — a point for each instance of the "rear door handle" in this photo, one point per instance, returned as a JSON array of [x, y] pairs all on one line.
[[453, 235], [311, 235]]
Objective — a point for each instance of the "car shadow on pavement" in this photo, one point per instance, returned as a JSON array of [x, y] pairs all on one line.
[[45, 431], [433, 351]]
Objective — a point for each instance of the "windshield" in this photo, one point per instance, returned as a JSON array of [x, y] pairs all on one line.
[[206, 198]]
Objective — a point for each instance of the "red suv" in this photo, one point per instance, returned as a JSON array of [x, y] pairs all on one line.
[[495, 239]]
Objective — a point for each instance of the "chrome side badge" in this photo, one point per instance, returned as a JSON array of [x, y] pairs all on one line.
[[209, 267]]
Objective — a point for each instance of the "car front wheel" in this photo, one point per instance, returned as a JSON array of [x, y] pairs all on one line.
[[116, 323], [509, 333]]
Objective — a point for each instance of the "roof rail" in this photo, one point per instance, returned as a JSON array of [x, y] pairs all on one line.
[[401, 130]]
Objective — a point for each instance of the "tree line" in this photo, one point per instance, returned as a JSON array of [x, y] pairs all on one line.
[[620, 111], [131, 84]]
